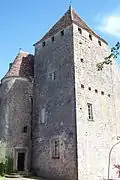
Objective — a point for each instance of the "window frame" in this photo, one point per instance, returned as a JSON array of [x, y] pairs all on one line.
[[52, 76], [42, 116], [56, 149], [90, 111]]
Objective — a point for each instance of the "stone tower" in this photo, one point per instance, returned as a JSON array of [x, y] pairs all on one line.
[[75, 106], [16, 110], [59, 115]]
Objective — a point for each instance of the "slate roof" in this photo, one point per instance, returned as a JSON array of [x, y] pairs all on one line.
[[68, 18], [22, 66]]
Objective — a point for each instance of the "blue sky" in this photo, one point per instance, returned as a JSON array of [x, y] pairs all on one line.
[[23, 22]]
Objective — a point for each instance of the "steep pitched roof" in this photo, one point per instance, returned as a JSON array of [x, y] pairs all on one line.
[[68, 18], [22, 66]]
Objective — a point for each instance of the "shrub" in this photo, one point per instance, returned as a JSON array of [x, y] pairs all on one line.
[[6, 163]]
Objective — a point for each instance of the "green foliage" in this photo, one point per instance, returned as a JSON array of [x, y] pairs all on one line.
[[115, 52], [2, 168], [2, 151], [6, 163]]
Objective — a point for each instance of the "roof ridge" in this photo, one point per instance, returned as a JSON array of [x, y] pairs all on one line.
[[62, 23], [69, 17]]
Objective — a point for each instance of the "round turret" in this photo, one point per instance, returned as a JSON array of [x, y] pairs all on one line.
[[16, 110]]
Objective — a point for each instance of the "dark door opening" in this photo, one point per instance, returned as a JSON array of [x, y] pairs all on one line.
[[21, 162]]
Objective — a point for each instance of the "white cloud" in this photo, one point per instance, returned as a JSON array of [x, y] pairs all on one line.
[[110, 24]]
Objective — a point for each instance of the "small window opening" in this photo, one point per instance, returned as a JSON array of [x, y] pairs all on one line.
[[80, 30], [53, 38], [10, 65], [82, 86], [42, 116], [96, 91], [62, 33], [90, 112], [108, 95], [102, 92], [52, 76], [44, 44], [25, 129], [56, 150], [89, 88], [99, 42], [82, 60], [90, 37]]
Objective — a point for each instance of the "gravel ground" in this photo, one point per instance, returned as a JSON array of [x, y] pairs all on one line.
[[22, 178]]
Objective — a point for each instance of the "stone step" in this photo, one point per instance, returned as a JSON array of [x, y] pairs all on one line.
[[19, 174]]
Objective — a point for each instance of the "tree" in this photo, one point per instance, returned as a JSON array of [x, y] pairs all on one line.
[[115, 52]]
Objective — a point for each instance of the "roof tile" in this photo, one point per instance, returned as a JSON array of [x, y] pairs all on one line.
[[23, 66], [68, 18]]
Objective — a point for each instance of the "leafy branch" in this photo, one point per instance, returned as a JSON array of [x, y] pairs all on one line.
[[115, 52], [118, 167]]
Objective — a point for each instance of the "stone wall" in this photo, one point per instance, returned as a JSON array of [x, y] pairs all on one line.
[[57, 97], [15, 115], [94, 138], [0, 110]]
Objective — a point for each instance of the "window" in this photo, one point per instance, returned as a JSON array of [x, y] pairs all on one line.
[[96, 91], [102, 92], [43, 43], [82, 86], [56, 149], [42, 116], [89, 88], [25, 129], [10, 65], [53, 38], [80, 30], [52, 76], [99, 42], [108, 95], [81, 60], [62, 33], [90, 37], [90, 112]]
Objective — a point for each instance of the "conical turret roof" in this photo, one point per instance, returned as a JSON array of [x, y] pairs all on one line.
[[68, 18], [22, 66]]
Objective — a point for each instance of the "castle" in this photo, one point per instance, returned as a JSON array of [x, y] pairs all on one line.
[[58, 114]]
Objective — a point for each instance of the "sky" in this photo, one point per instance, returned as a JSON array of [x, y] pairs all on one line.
[[23, 22]]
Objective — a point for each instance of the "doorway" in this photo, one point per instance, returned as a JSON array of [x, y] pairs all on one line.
[[21, 162]]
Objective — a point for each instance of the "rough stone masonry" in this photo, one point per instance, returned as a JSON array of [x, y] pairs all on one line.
[[58, 114]]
